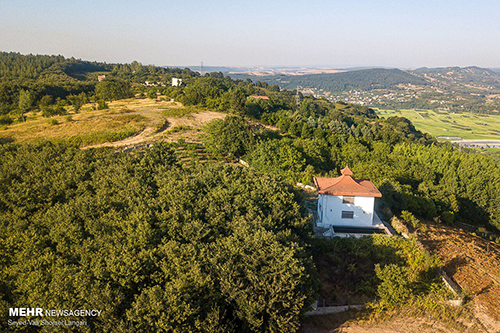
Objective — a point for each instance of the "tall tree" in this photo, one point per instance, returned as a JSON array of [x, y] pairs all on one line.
[[25, 101], [229, 137]]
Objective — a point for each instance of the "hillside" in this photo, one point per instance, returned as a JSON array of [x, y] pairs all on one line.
[[470, 89], [468, 77], [126, 122], [473, 263], [53, 81], [180, 235]]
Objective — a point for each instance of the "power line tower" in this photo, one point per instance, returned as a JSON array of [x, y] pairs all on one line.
[[297, 98]]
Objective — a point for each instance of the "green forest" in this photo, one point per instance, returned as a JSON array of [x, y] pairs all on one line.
[[157, 248], [50, 83], [214, 247]]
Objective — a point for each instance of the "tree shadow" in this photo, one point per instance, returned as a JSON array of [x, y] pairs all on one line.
[[330, 322], [346, 269], [451, 267], [6, 140], [484, 289]]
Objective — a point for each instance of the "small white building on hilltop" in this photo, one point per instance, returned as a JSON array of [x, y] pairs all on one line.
[[346, 202], [176, 82]]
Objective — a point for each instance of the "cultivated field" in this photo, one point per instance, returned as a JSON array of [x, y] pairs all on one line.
[[443, 123]]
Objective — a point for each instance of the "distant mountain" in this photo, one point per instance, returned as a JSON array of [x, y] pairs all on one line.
[[481, 78], [367, 79], [469, 89]]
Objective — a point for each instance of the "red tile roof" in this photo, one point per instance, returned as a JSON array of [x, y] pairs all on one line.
[[346, 171], [261, 97], [346, 185]]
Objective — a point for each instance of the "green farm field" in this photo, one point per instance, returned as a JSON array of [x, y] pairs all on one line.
[[442, 123]]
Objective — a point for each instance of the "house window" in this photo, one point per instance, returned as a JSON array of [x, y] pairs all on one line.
[[347, 214], [347, 199]]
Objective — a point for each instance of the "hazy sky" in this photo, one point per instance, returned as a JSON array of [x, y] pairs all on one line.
[[404, 34]]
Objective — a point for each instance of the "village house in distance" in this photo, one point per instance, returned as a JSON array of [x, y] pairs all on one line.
[[346, 205]]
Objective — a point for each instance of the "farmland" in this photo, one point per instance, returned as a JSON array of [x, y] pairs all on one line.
[[443, 123]]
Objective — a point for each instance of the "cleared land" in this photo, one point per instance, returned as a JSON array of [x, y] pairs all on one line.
[[401, 322], [125, 123], [473, 263], [443, 123]]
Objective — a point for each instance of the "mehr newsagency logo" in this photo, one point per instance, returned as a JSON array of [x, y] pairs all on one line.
[[61, 314]]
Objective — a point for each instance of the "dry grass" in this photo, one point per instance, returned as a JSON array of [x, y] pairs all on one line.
[[405, 320], [473, 263], [123, 119]]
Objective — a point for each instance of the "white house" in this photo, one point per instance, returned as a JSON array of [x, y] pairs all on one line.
[[176, 82], [345, 201]]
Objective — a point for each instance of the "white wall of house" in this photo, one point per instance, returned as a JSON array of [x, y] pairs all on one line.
[[176, 82], [330, 208]]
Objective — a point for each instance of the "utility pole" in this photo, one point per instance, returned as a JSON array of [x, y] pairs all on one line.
[[297, 98]]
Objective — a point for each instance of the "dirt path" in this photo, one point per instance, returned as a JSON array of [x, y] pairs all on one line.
[[149, 134], [402, 325], [396, 323]]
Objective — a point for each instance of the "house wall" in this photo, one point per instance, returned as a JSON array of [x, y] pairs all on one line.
[[330, 209]]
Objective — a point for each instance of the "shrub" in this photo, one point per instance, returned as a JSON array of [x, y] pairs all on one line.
[[53, 110], [399, 226], [5, 120], [52, 122], [151, 93], [410, 219], [395, 288], [102, 105], [448, 217]]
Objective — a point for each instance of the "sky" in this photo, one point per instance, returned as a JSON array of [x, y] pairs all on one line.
[[313, 33]]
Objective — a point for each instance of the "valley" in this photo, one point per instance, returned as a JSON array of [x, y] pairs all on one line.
[[446, 125]]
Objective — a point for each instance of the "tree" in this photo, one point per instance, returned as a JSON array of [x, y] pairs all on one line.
[[237, 100], [151, 93], [77, 101], [229, 137], [25, 101], [110, 90], [279, 157]]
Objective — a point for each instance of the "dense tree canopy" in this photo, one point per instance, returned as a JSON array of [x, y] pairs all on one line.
[[229, 137], [214, 249], [60, 78]]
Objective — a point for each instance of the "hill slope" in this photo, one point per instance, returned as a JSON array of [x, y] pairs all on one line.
[[470, 89]]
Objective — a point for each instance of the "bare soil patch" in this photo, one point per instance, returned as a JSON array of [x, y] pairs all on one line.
[[474, 263], [388, 322]]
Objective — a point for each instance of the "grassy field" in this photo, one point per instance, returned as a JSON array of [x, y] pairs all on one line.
[[128, 121], [443, 123]]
